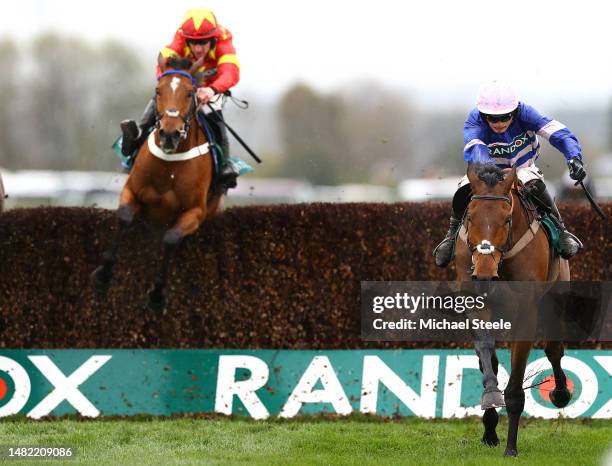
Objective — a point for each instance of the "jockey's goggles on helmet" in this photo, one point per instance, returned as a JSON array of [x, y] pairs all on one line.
[[498, 118], [200, 41]]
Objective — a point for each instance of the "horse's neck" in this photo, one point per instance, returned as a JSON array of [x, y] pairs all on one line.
[[196, 135], [520, 218]]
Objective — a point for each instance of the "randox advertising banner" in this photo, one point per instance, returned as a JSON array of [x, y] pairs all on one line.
[[285, 383]]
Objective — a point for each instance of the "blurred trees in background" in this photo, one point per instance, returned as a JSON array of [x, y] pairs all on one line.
[[9, 103], [363, 134], [62, 100], [312, 135]]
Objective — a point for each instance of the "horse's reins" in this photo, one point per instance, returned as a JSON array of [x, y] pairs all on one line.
[[174, 113], [485, 247]]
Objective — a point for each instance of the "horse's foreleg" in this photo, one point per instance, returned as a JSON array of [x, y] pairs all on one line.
[[514, 395], [128, 209], [485, 349], [561, 395], [187, 224], [490, 417]]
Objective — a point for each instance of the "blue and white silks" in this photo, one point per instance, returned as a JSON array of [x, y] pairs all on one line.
[[518, 146]]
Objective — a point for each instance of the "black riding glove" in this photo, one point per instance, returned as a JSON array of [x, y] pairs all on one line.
[[576, 169]]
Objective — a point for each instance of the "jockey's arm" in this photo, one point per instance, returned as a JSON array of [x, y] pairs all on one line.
[[228, 66], [555, 132], [475, 149]]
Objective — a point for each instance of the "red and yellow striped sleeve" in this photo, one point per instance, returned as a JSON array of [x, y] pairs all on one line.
[[228, 66]]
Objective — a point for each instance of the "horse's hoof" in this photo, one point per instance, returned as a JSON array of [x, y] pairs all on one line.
[[511, 452], [560, 397], [490, 439], [173, 237], [156, 301], [100, 280], [492, 399]]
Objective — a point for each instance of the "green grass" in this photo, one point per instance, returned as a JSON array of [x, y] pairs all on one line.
[[308, 441]]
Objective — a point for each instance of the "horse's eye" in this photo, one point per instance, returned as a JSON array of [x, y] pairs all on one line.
[[157, 92]]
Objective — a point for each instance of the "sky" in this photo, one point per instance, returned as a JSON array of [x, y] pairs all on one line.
[[555, 53]]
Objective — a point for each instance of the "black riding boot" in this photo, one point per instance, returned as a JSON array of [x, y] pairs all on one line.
[[569, 244], [134, 135], [443, 253], [227, 172]]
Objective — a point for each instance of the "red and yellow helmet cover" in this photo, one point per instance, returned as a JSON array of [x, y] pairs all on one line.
[[199, 23]]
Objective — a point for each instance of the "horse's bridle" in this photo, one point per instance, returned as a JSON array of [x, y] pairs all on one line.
[[174, 113], [485, 247]]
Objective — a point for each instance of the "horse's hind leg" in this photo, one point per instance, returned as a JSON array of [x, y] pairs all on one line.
[[128, 208], [514, 395], [187, 224], [561, 395]]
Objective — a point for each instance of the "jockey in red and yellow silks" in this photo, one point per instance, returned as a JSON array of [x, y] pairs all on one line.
[[198, 37], [221, 69]]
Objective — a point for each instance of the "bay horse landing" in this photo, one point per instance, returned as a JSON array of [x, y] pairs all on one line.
[[170, 183], [498, 242]]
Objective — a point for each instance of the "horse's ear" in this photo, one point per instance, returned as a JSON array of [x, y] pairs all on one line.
[[162, 62], [509, 180], [471, 174], [196, 65]]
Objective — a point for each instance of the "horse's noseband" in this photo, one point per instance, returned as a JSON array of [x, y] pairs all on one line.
[[485, 247]]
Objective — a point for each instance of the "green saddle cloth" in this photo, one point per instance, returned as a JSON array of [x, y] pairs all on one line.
[[553, 234]]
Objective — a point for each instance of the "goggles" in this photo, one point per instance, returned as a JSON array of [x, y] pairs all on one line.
[[200, 41], [498, 118]]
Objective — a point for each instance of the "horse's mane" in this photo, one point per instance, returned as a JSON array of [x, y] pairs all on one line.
[[489, 173], [179, 63]]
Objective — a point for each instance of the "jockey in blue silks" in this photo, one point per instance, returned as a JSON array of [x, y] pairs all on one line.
[[503, 131]]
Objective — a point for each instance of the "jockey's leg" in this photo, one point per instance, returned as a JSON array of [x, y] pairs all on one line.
[[227, 172], [443, 253], [568, 243], [135, 134]]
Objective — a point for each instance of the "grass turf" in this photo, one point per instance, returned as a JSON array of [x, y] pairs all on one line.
[[308, 441]]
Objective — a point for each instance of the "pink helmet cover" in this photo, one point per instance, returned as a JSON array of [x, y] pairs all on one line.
[[496, 98]]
